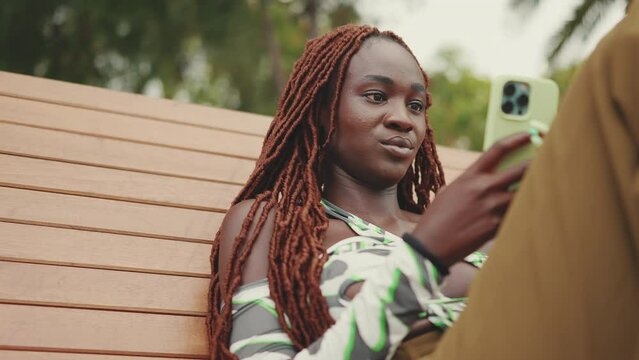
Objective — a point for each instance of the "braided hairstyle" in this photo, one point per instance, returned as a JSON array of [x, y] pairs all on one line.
[[287, 180]]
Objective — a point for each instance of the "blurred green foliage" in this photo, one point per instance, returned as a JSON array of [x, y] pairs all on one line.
[[460, 101], [230, 53], [220, 52]]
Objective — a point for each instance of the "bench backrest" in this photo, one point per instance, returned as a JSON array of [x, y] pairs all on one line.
[[108, 205]]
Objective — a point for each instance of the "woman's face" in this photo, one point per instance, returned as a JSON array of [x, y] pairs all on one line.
[[380, 120]]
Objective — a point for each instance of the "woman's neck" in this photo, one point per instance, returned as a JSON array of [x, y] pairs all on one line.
[[379, 206]]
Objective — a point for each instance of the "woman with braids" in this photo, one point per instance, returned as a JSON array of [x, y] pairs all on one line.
[[349, 161], [308, 263]]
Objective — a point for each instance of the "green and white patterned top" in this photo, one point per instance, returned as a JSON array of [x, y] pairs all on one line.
[[400, 288]]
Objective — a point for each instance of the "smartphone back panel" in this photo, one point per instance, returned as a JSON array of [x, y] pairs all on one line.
[[519, 104]]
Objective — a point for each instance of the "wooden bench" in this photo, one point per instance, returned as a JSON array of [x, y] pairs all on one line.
[[108, 206]]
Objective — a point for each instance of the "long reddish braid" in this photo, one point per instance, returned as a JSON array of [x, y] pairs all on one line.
[[287, 180]]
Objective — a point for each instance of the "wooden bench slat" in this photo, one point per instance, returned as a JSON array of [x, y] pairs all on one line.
[[110, 183], [456, 159], [40, 355], [47, 245], [49, 144], [102, 289], [97, 331], [102, 124], [89, 97], [117, 216]]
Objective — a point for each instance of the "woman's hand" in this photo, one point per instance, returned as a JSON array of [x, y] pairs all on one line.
[[468, 212]]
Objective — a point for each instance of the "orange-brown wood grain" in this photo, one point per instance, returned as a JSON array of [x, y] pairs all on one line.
[[89, 249], [95, 181], [128, 128], [45, 355], [109, 101], [63, 286], [31, 327], [77, 212]]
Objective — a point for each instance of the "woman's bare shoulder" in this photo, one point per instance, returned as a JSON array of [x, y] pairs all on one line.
[[236, 214], [256, 266]]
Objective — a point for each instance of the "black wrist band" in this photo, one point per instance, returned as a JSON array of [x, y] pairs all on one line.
[[420, 248]]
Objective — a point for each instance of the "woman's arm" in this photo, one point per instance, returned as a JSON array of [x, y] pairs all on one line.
[[256, 266], [371, 327], [462, 274]]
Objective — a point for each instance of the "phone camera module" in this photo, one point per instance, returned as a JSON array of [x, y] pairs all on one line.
[[515, 98]]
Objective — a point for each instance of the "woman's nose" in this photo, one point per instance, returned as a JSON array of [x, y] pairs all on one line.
[[399, 119]]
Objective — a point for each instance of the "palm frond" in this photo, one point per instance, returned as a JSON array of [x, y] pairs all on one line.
[[523, 7], [584, 19], [524, 3]]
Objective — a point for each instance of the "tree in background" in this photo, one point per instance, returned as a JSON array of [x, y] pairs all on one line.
[[230, 53], [586, 16], [460, 101]]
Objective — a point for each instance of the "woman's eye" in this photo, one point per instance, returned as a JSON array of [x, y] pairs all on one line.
[[416, 106], [376, 97]]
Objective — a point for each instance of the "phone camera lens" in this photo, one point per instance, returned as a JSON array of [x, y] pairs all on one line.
[[507, 107], [509, 89], [522, 100]]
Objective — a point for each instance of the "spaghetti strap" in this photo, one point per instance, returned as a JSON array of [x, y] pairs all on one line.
[[363, 228]]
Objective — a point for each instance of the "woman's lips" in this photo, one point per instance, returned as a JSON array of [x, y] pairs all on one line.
[[398, 146]]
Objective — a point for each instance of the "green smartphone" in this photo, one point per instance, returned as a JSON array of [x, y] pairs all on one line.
[[520, 104]]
